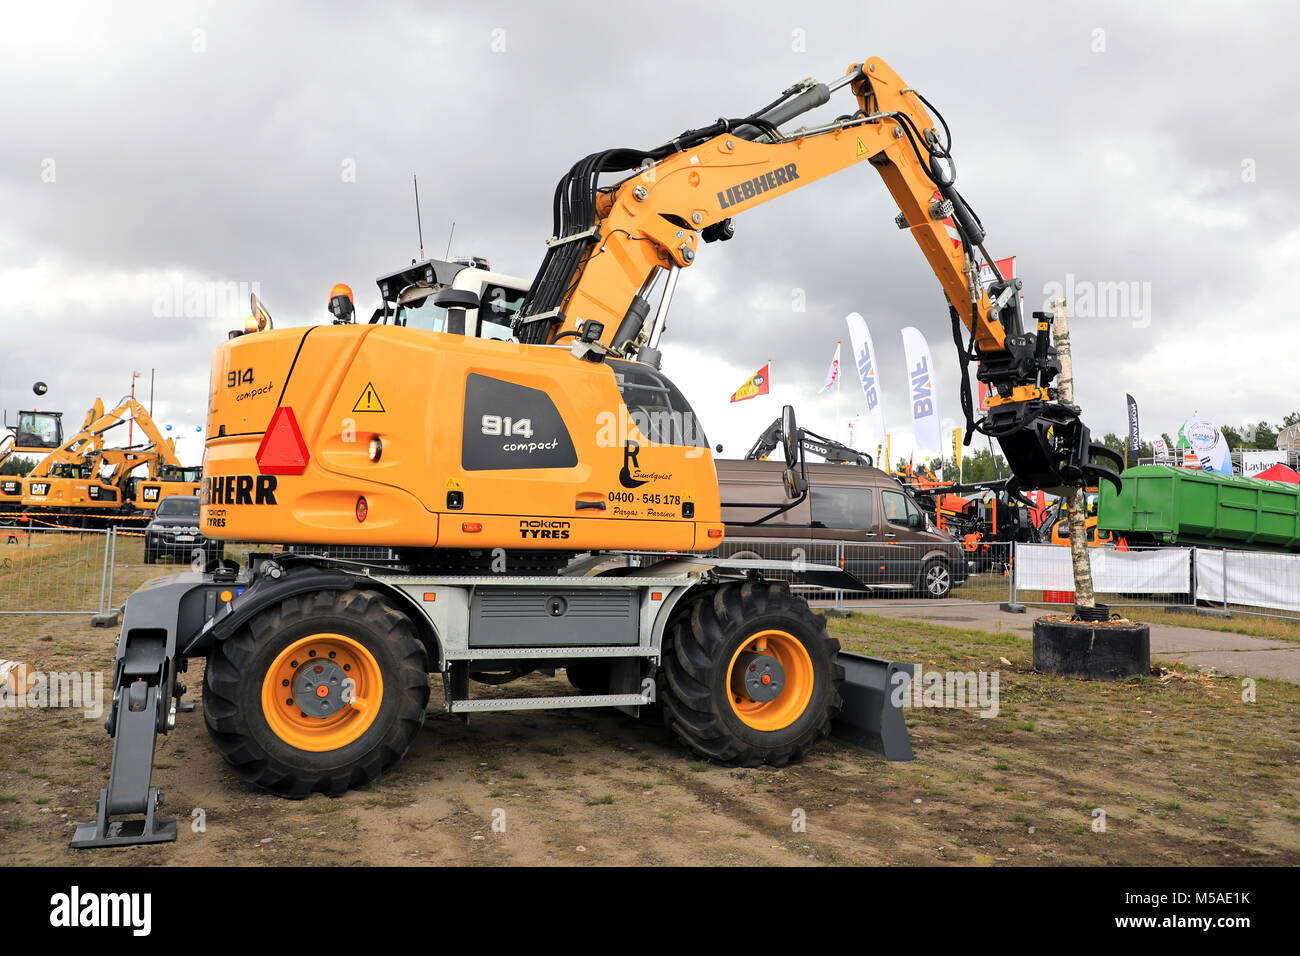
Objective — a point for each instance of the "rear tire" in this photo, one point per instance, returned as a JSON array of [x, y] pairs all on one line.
[[702, 647], [277, 746]]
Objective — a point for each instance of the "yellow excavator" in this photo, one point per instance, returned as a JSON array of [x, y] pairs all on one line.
[[82, 480], [32, 433], [547, 494]]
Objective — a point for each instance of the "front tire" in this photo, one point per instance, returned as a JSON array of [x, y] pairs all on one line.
[[936, 579], [740, 632], [276, 693]]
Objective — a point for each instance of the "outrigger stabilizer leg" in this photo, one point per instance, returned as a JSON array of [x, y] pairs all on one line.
[[144, 680]]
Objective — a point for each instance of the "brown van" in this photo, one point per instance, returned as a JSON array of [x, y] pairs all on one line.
[[888, 542]]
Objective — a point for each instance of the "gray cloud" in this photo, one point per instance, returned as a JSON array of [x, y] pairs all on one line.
[[210, 143]]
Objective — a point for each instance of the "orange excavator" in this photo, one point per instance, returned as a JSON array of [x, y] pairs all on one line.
[[548, 496]]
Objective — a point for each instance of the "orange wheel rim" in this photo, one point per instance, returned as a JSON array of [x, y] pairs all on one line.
[[322, 692], [791, 700]]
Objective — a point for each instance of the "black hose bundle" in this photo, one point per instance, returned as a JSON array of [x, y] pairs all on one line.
[[574, 212]]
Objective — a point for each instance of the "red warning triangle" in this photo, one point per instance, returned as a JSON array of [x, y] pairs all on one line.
[[283, 450]]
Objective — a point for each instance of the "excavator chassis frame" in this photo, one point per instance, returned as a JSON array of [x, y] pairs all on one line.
[[173, 619]]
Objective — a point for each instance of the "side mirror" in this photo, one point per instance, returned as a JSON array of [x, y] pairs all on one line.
[[795, 483], [915, 521], [455, 299], [456, 302], [789, 436]]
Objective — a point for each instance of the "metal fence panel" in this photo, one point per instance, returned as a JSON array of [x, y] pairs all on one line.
[[1254, 580], [54, 571]]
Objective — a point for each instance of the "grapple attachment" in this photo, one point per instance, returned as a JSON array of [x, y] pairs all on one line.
[[1049, 447]]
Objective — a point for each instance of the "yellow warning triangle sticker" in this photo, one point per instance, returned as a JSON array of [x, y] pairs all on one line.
[[861, 146], [369, 400]]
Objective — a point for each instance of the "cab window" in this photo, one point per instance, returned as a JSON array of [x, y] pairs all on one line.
[[422, 315], [852, 509], [498, 305], [656, 407], [899, 509]]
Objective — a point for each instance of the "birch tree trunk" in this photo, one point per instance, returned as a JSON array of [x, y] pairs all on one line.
[[1076, 503]]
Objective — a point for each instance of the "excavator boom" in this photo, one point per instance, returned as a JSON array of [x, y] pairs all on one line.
[[612, 245]]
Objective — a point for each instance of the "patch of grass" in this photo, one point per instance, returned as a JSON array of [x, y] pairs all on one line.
[[1002, 766], [1252, 625], [1025, 725], [1020, 818], [699, 767], [601, 801]]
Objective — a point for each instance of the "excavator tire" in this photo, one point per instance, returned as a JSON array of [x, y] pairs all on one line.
[[711, 649], [278, 702]]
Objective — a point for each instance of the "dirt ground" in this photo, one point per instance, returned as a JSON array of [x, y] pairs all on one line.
[[1184, 771]]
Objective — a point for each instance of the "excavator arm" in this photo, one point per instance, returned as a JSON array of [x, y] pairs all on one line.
[[88, 443], [614, 244], [834, 452]]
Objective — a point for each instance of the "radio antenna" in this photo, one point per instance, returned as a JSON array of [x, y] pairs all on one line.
[[449, 235], [418, 225]]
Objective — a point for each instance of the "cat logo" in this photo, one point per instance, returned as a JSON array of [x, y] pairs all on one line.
[[151, 494]]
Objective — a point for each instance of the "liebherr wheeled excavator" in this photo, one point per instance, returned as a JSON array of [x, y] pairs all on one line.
[[549, 495]]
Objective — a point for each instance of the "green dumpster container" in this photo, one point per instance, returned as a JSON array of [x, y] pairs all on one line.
[[1171, 505]]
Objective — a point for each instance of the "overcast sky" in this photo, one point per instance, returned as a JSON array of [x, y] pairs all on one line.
[[152, 150]]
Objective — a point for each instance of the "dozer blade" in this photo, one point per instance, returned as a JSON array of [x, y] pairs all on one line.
[[872, 716], [1049, 447]]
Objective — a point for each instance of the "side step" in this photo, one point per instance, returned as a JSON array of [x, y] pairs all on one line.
[[872, 716], [463, 705]]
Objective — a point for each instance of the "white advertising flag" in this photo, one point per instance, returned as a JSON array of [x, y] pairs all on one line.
[[922, 395], [864, 357], [833, 373], [1209, 444]]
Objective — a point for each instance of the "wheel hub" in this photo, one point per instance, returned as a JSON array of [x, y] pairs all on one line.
[[322, 692], [318, 688], [770, 678], [759, 677], [938, 579]]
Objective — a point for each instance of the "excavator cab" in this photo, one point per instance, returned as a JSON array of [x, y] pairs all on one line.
[[36, 432], [462, 296]]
